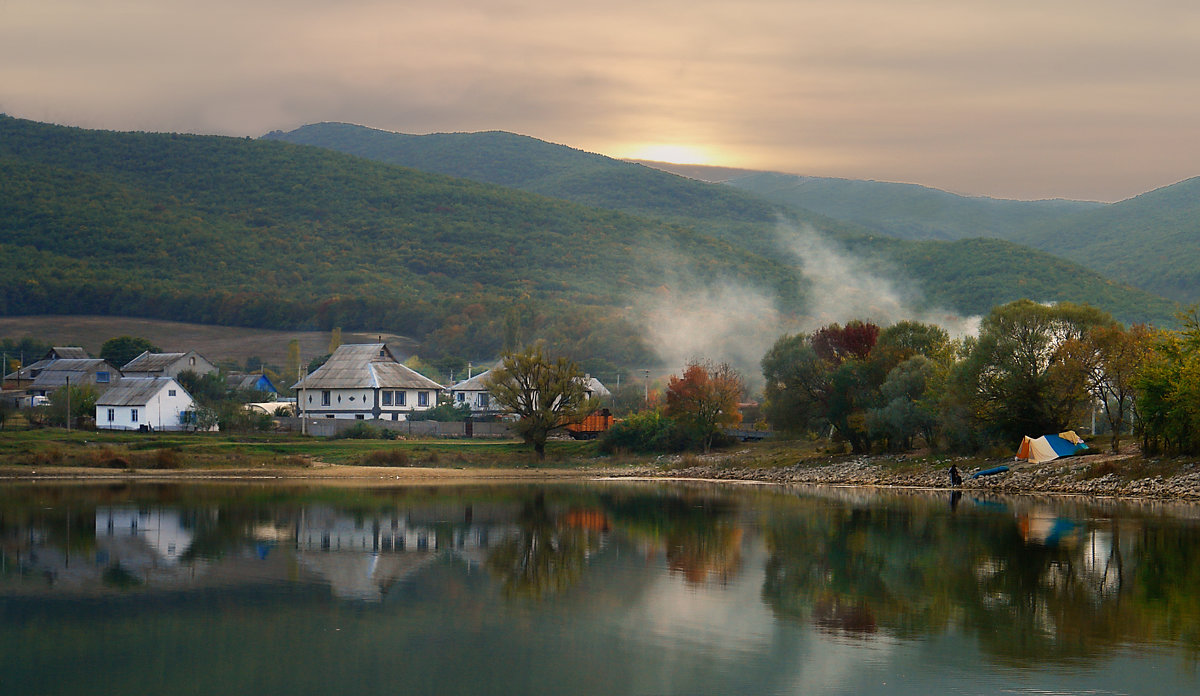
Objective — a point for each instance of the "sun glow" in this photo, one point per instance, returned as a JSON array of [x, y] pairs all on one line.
[[675, 154]]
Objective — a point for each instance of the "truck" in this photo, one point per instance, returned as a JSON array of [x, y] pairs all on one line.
[[591, 427]]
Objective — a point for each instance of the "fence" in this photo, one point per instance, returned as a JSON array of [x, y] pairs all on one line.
[[328, 427]]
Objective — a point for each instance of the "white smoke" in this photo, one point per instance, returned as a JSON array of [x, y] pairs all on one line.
[[689, 318]]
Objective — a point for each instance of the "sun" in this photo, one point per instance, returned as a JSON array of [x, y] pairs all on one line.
[[675, 154]]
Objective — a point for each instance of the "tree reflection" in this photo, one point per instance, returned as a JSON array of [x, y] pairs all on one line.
[[546, 556], [1027, 596]]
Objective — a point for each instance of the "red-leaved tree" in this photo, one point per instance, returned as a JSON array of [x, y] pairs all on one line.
[[704, 399]]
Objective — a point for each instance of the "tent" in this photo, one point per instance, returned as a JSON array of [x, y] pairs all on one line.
[[1049, 447]]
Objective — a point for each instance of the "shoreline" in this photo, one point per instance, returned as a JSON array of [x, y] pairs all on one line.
[[1073, 477]]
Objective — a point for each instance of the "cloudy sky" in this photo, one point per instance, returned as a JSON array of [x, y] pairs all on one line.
[[1091, 99]]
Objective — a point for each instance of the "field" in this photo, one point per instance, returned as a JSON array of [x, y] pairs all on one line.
[[217, 343]]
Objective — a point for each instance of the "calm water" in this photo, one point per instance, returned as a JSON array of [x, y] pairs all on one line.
[[625, 588]]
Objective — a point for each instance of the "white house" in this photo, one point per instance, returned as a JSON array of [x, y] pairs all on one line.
[[151, 403], [167, 364], [364, 381], [474, 393]]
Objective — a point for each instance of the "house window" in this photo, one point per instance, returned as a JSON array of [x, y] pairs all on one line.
[[460, 397], [101, 378], [192, 361], [112, 414], [483, 400], [170, 392], [387, 398], [401, 398], [423, 398], [395, 416], [133, 415], [325, 398]]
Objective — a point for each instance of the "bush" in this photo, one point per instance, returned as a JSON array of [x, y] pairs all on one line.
[[646, 432], [359, 431], [385, 457]]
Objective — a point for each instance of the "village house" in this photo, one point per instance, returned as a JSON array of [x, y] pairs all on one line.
[[167, 364], [77, 372], [24, 376], [145, 403], [365, 381], [474, 393], [250, 382]]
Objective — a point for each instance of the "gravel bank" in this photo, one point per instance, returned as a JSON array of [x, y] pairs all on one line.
[[1092, 475]]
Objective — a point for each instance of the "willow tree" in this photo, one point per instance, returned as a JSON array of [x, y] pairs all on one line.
[[544, 393]]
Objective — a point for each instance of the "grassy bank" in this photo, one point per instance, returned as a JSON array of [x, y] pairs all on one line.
[[57, 447]]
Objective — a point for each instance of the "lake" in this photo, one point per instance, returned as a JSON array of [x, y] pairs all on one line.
[[606, 588]]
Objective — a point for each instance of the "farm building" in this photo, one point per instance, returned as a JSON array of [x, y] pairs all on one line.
[[93, 372], [145, 403], [167, 364], [365, 381], [24, 376]]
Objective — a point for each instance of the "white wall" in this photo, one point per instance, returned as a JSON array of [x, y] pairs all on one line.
[[161, 412]]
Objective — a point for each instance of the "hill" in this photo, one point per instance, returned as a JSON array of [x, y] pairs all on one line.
[[268, 234], [908, 211], [865, 211], [536, 166], [1150, 241]]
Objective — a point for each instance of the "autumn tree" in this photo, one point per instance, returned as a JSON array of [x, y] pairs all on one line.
[[1015, 380], [704, 399], [544, 393], [1108, 360]]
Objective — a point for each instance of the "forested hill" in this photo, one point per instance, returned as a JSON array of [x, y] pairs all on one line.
[[908, 211], [270, 234], [536, 166], [1151, 241], [260, 233]]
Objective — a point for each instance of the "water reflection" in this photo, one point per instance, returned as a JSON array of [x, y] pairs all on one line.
[[777, 587]]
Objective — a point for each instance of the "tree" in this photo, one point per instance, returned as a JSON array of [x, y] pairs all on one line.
[[544, 393], [82, 400], [826, 378], [1015, 379], [291, 367], [704, 399], [1108, 360], [335, 338], [120, 350]]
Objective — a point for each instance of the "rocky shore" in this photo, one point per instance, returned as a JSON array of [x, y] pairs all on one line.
[[1098, 475]]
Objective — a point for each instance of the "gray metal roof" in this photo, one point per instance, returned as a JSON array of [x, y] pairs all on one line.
[[80, 370], [64, 352], [476, 383], [365, 366], [152, 362], [137, 391]]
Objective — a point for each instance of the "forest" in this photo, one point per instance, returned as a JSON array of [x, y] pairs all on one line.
[[263, 233]]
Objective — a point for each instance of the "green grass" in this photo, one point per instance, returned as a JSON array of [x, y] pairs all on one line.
[[57, 447]]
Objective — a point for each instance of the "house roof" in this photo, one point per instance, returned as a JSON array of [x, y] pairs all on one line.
[[476, 383], [62, 352], [246, 380], [137, 391], [365, 365], [55, 373], [152, 362], [55, 353]]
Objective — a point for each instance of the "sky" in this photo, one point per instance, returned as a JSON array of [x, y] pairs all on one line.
[[1085, 99]]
